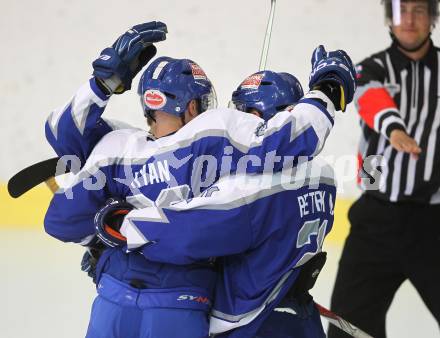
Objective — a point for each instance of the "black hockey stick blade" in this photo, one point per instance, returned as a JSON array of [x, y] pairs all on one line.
[[32, 176]]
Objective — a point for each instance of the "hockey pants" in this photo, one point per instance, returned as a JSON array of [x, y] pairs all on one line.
[[127, 317]]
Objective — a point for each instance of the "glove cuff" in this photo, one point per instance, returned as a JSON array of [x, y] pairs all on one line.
[[108, 222], [110, 85], [334, 90]]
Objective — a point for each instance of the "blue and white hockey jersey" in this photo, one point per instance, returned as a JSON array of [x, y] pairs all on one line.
[[265, 226], [128, 164]]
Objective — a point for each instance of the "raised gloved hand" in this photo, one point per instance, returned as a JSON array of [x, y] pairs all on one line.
[[108, 222], [334, 74], [117, 65]]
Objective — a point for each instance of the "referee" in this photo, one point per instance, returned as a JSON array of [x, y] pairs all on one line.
[[395, 224]]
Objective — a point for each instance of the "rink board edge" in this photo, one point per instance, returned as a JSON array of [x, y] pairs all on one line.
[[27, 212]]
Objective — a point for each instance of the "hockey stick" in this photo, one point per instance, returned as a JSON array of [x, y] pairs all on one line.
[[266, 43], [30, 177], [342, 323]]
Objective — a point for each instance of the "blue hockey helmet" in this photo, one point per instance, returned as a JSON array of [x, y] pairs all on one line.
[[170, 84], [268, 92]]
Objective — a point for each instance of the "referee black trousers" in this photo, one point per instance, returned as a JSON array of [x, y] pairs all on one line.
[[388, 243]]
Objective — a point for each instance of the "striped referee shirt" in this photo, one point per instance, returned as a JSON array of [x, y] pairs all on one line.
[[395, 92]]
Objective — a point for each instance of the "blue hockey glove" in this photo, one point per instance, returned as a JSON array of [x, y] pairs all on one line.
[[88, 265], [91, 257], [334, 74], [117, 65], [108, 222]]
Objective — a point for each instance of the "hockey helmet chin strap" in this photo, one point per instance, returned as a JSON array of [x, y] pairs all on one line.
[[150, 114]]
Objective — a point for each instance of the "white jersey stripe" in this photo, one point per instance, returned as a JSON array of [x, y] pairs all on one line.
[[385, 165], [396, 179], [435, 198], [55, 116], [430, 151], [411, 175], [386, 121], [390, 69], [395, 185], [379, 61], [81, 104], [222, 322], [403, 96]]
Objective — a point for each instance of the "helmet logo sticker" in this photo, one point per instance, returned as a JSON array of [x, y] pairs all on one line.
[[252, 82], [197, 72], [154, 99]]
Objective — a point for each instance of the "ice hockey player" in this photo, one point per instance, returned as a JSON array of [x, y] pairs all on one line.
[[270, 230], [146, 172]]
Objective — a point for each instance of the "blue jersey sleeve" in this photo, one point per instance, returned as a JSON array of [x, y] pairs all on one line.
[[72, 209], [69, 217], [76, 128], [233, 216], [191, 235]]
